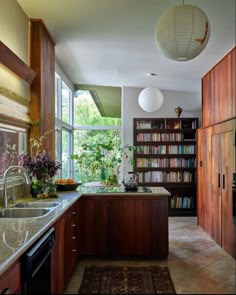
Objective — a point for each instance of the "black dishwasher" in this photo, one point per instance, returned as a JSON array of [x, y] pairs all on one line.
[[36, 265]]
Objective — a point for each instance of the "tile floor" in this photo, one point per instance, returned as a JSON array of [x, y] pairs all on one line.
[[197, 264]]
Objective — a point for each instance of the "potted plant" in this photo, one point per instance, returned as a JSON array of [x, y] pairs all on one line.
[[41, 168]]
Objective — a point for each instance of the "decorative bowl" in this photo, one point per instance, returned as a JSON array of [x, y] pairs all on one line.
[[67, 186]]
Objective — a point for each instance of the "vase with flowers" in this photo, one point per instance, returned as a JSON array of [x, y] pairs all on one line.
[[41, 168]]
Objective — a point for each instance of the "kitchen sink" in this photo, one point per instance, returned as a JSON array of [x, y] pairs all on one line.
[[37, 205], [24, 212]]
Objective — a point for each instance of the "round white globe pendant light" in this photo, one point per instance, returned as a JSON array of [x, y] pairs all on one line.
[[182, 32], [150, 99]]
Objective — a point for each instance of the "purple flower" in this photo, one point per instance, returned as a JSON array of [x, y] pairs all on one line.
[[41, 166]]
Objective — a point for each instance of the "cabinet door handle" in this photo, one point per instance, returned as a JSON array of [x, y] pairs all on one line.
[[218, 179], [223, 181]]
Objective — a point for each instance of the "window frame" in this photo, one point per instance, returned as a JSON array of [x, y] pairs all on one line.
[[62, 125]]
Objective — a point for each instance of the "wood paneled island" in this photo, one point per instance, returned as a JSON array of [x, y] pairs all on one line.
[[113, 222]]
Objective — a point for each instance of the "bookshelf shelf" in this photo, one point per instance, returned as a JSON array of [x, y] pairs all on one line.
[[166, 156]]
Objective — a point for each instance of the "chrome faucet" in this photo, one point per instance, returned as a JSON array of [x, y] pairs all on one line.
[[25, 174]]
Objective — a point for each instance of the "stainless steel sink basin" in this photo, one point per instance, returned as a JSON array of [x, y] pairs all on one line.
[[37, 205], [24, 212]]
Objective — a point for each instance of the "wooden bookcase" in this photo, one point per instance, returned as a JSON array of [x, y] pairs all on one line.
[[166, 156]]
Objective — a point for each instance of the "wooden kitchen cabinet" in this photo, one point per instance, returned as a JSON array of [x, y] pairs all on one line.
[[218, 91], [223, 166], [57, 258], [93, 226], [10, 281], [70, 242], [216, 164], [123, 226], [138, 227], [64, 254], [204, 190]]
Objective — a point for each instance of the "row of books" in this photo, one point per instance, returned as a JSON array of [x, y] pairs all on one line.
[[165, 162], [181, 202], [166, 176], [166, 124], [166, 149], [156, 136]]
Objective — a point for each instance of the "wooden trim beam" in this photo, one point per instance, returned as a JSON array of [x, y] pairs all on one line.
[[10, 60]]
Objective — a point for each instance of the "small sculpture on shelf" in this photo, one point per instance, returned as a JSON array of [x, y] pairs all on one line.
[[178, 111]]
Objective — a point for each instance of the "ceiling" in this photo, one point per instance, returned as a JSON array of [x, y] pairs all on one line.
[[111, 42]]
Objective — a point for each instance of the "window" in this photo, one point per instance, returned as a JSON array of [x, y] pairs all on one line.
[[78, 121], [64, 128], [12, 143], [91, 128]]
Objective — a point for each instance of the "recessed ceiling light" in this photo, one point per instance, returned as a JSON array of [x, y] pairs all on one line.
[[151, 74]]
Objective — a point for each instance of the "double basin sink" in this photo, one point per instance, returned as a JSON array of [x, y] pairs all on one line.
[[29, 210]]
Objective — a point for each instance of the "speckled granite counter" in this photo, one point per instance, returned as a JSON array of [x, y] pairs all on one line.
[[17, 235]]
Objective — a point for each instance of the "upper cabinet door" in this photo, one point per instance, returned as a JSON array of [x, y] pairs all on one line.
[[218, 92]]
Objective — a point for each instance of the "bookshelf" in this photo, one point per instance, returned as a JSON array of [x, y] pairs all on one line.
[[166, 156]]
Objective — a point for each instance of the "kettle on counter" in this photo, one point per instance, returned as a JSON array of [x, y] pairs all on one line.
[[131, 181]]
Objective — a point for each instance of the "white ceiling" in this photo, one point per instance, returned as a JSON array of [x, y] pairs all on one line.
[[111, 42]]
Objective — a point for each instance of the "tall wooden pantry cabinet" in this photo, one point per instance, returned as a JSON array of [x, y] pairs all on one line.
[[216, 153]]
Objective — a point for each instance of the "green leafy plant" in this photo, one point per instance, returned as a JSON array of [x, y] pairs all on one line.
[[102, 158]]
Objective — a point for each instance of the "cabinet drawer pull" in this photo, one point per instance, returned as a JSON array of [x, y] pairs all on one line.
[[74, 250], [73, 213], [73, 225], [223, 181], [73, 238], [218, 179]]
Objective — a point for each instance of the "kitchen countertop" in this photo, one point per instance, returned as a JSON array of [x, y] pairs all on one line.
[[18, 234]]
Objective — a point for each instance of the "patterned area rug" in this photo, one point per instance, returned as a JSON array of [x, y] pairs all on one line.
[[127, 280]]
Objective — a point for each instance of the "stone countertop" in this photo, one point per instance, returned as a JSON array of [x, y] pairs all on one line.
[[17, 235], [120, 190]]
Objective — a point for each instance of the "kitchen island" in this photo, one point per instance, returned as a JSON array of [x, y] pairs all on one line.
[[119, 223]]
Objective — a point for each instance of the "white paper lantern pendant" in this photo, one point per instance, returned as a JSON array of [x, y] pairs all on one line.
[[182, 32], [150, 99]]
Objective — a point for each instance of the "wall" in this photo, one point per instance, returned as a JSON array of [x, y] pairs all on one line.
[[63, 76], [14, 34], [189, 101]]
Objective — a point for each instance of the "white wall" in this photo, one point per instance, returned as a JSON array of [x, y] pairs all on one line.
[[189, 101], [64, 77]]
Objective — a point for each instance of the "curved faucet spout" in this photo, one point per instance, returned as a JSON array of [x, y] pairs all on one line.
[[17, 168]]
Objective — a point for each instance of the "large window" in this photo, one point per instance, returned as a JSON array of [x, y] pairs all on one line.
[[79, 122], [91, 128], [64, 128]]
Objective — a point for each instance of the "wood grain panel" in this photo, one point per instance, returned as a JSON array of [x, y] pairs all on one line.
[[57, 259], [42, 90], [218, 91], [10, 281], [216, 188], [93, 226], [122, 227], [159, 237], [207, 100], [227, 181]]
